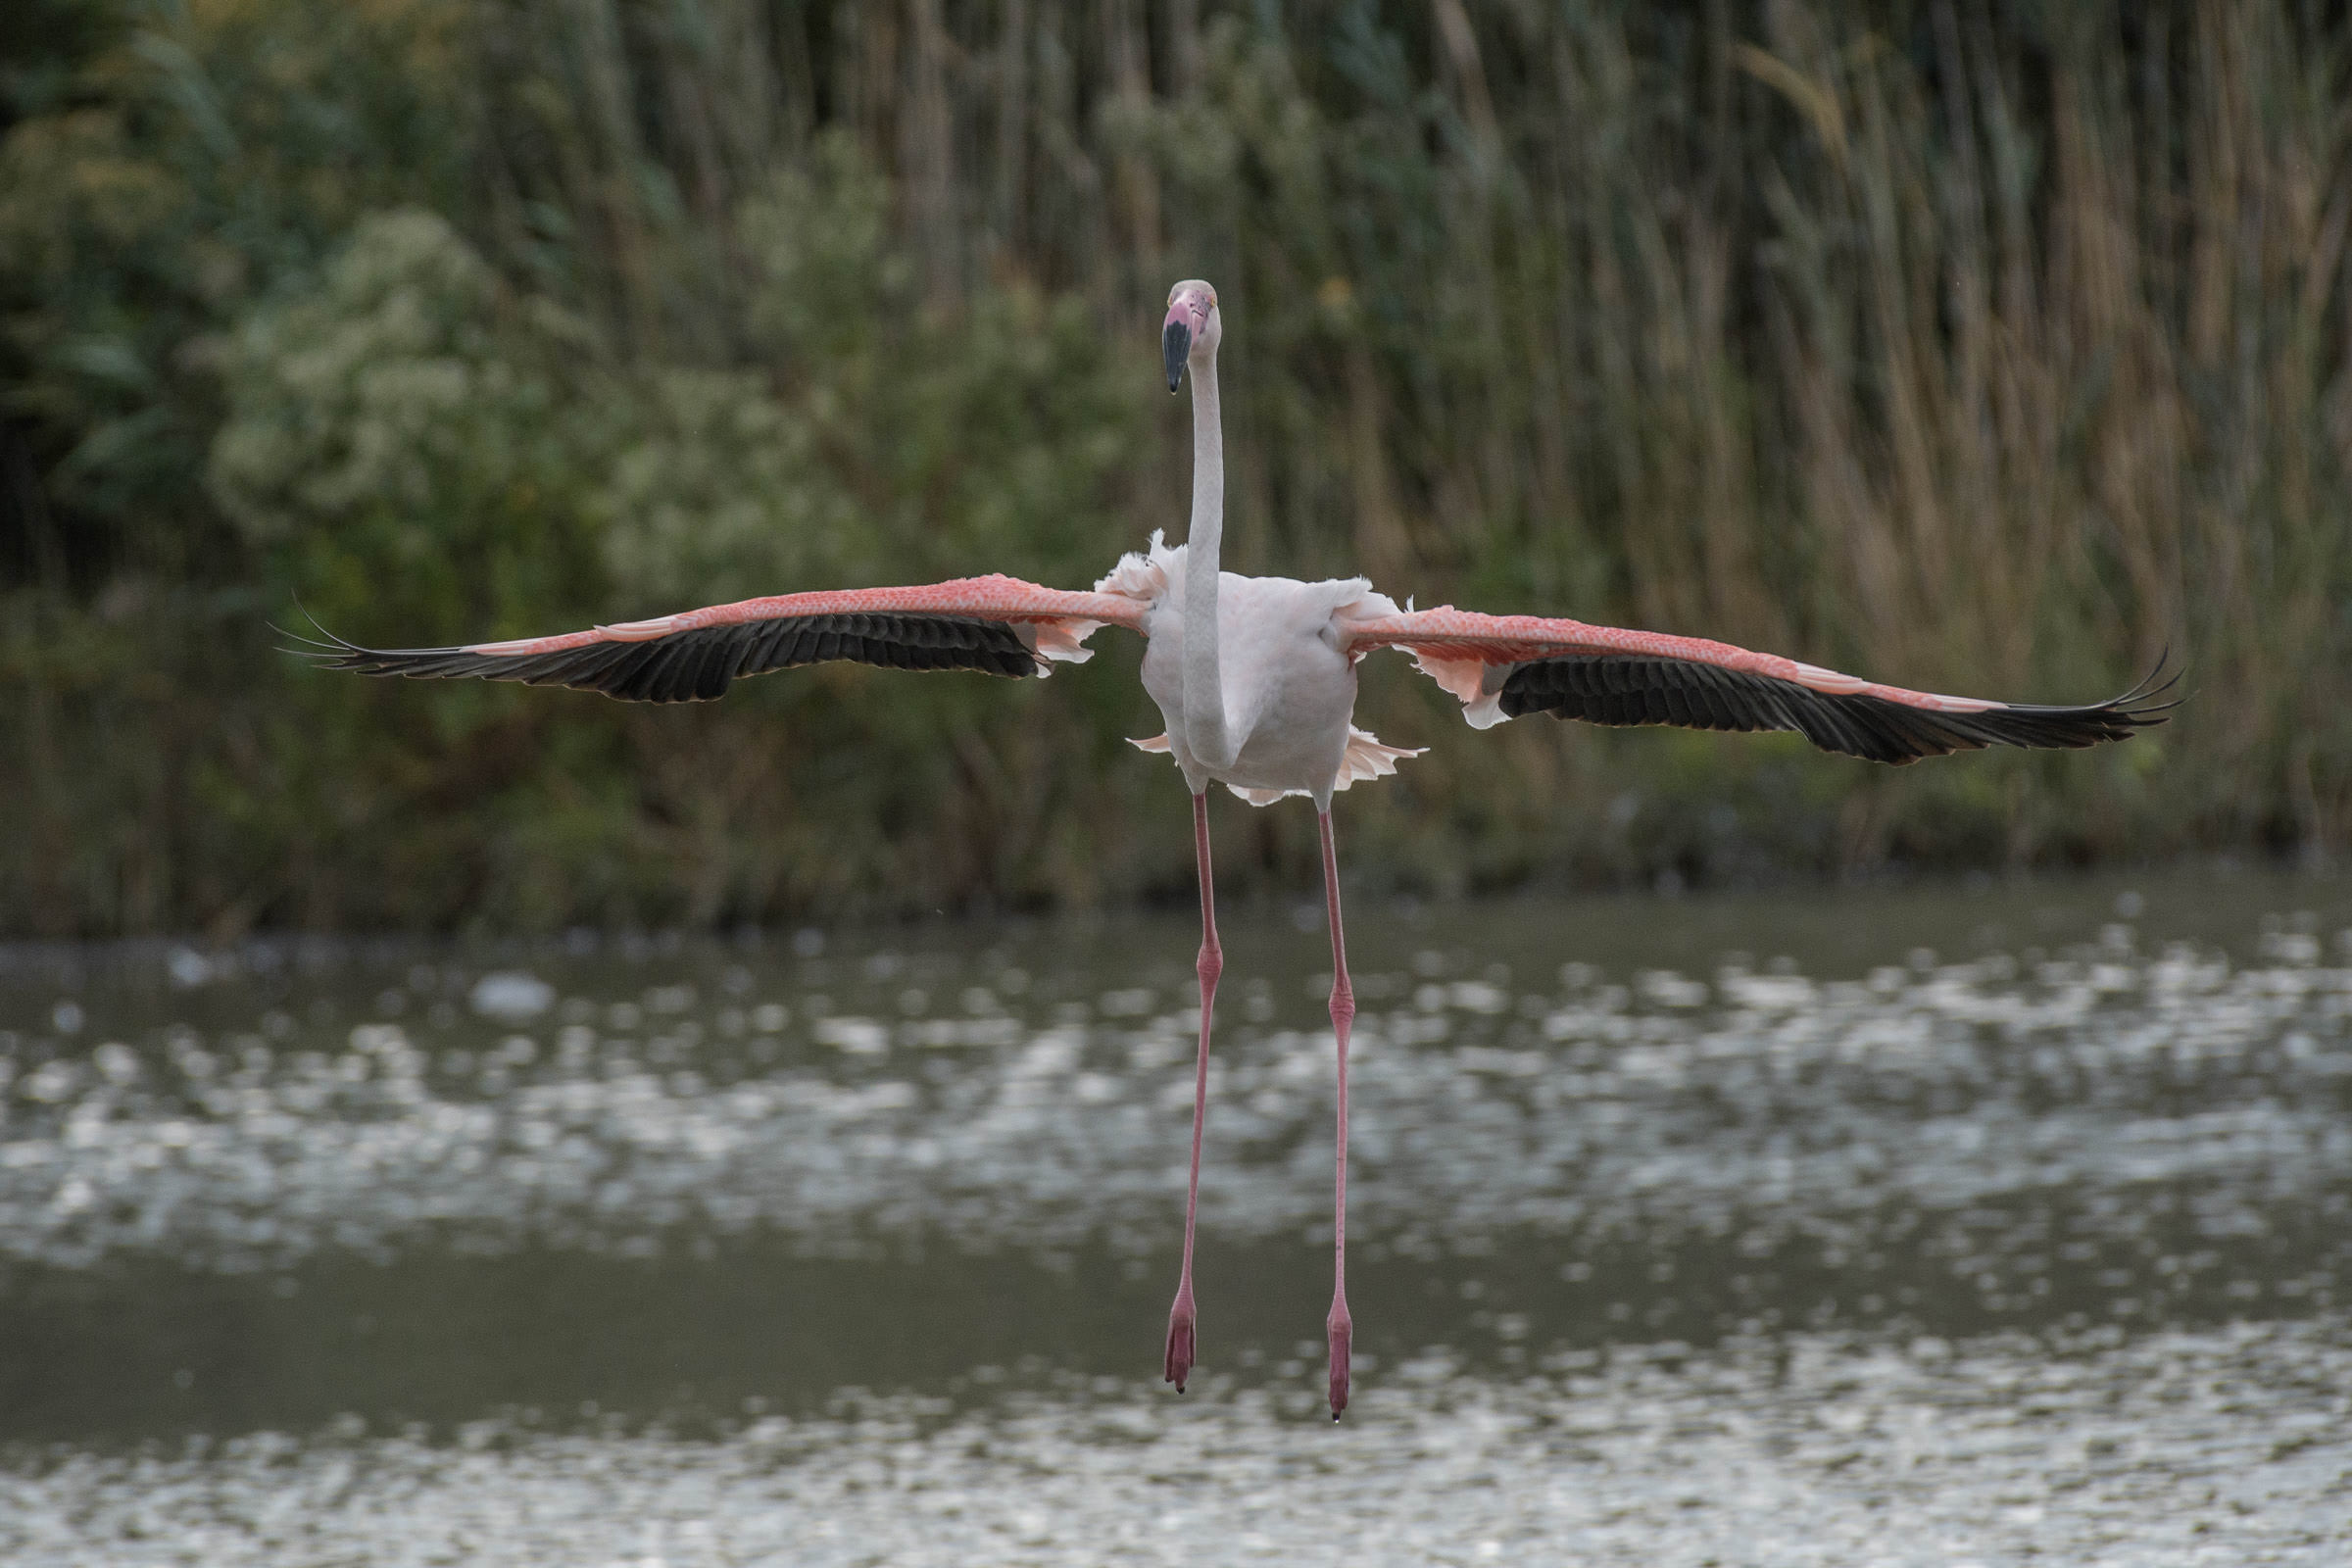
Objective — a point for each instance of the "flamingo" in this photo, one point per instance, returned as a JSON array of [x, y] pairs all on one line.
[[1257, 680]]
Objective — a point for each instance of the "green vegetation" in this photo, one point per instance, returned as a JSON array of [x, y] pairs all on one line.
[[1966, 343]]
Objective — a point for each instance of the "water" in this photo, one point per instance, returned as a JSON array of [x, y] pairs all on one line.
[[1965, 1224]]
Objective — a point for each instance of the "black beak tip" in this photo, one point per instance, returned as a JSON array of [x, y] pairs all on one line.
[[1175, 347]]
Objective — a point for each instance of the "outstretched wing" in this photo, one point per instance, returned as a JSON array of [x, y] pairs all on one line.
[[997, 624], [1504, 665]]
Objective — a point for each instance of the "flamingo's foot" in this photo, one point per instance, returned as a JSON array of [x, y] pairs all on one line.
[[1181, 1341], [1341, 1329]]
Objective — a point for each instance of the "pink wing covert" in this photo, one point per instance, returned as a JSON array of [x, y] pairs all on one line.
[[1501, 666], [997, 624]]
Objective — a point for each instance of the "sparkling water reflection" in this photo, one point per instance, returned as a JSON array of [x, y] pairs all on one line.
[[1875, 1227]]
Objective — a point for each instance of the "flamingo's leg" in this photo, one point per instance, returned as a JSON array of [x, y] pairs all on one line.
[[1210, 965], [1339, 1328]]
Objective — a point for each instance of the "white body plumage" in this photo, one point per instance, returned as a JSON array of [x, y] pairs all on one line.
[[1287, 678]]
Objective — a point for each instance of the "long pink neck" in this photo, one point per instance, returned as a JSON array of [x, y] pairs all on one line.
[[1204, 686]]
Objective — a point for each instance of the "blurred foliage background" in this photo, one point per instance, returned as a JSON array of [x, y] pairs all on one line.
[[1981, 345]]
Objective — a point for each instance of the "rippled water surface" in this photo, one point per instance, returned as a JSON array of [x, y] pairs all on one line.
[[1939, 1226]]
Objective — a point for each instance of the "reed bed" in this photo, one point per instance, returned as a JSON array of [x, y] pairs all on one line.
[[1975, 346]]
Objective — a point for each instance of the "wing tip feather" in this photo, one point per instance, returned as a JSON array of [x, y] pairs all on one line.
[[1648, 688]]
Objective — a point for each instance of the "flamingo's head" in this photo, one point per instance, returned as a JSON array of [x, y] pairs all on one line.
[[1192, 329]]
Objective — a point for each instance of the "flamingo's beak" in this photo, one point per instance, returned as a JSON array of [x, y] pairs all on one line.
[[1176, 342]]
